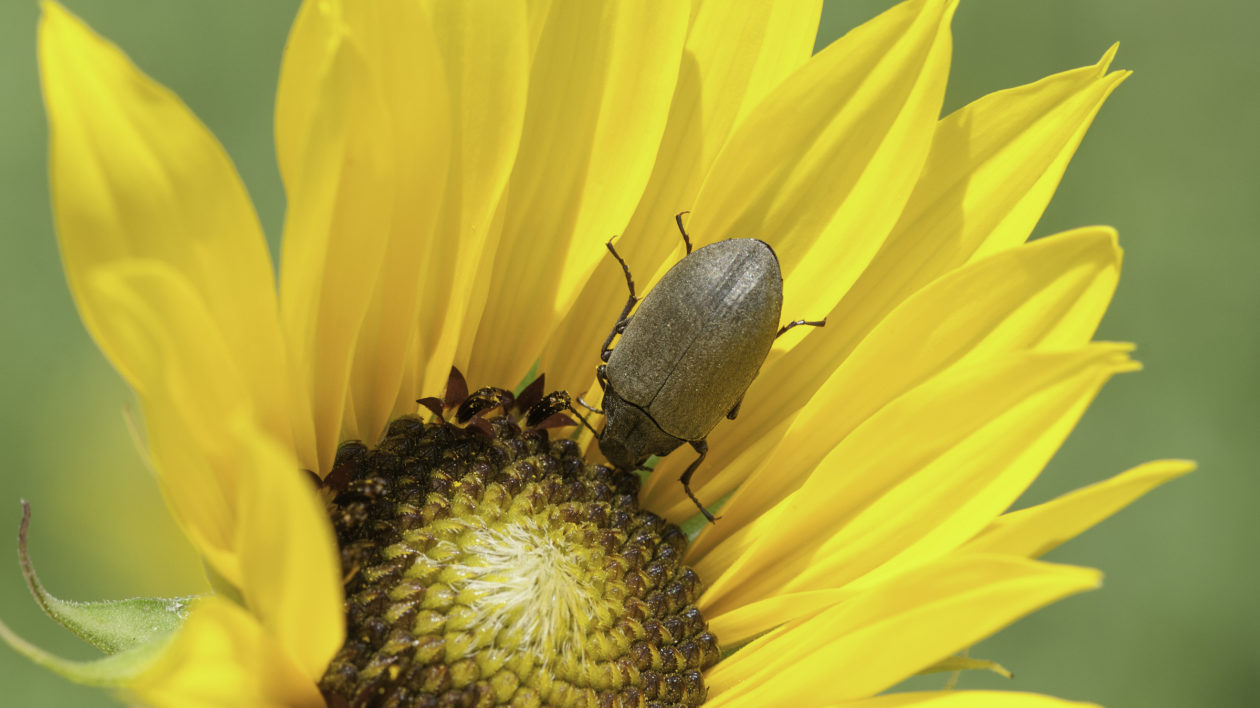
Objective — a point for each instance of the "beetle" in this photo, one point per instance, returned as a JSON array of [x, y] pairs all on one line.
[[690, 351]]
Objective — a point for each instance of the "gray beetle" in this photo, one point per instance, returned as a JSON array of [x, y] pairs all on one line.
[[691, 350]]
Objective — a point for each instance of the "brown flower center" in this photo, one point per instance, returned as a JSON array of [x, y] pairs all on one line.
[[489, 565]]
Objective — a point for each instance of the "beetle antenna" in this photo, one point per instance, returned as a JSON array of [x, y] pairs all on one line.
[[582, 418], [686, 239], [588, 406]]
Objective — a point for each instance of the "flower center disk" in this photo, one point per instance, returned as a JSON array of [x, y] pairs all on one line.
[[489, 565]]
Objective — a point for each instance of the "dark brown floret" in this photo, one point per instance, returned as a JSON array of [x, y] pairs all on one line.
[[400, 510]]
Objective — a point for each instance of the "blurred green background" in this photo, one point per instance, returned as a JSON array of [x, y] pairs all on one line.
[[1171, 162]]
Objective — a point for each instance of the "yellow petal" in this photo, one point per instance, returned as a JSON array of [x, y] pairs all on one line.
[[734, 55], [750, 620], [189, 392], [874, 640], [599, 95], [486, 49], [222, 658], [273, 539], [919, 478], [966, 699], [823, 166], [1036, 530], [993, 167], [401, 59], [309, 56], [1048, 294], [135, 175], [291, 568], [821, 169], [340, 211]]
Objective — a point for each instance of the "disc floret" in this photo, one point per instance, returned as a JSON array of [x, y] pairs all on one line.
[[490, 565]]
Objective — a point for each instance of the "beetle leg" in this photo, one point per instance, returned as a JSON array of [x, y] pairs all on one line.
[[735, 409], [686, 239], [701, 447], [624, 318], [629, 279], [606, 352], [790, 325]]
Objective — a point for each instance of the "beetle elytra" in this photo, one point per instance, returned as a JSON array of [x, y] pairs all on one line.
[[689, 352]]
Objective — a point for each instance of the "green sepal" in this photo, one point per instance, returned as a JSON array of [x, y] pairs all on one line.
[[966, 663], [113, 626], [112, 671]]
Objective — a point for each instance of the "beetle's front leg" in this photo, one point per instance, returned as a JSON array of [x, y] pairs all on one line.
[[582, 418], [701, 447], [606, 352], [624, 318]]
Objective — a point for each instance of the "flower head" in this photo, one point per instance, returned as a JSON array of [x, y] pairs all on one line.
[[452, 171]]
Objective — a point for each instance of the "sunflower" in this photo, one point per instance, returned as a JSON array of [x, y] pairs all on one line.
[[452, 171]]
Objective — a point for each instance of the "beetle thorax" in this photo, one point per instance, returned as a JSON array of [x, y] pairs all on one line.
[[630, 435]]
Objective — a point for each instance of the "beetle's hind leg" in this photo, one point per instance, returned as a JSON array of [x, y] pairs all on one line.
[[797, 323], [624, 318], [701, 447]]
